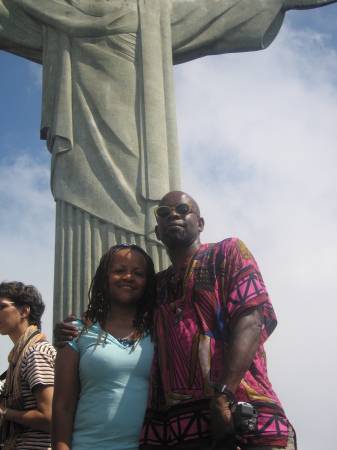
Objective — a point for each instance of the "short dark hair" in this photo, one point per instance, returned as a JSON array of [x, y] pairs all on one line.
[[21, 295]]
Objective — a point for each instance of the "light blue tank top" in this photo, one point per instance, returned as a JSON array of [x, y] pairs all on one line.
[[114, 390]]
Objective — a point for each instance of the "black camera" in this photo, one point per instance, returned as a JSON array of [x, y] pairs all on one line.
[[244, 417]]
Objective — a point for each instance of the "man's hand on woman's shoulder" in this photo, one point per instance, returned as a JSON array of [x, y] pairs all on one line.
[[64, 331]]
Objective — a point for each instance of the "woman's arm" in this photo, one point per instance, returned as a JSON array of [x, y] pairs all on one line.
[[66, 393], [40, 418]]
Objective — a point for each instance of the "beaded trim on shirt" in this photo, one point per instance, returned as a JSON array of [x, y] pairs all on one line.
[[126, 342]]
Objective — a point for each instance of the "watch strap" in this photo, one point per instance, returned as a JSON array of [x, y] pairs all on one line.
[[223, 389], [4, 413]]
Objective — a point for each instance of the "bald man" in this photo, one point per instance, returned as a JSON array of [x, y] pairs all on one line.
[[214, 315]]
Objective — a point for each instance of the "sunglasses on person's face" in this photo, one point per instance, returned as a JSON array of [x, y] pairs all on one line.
[[5, 305], [181, 208]]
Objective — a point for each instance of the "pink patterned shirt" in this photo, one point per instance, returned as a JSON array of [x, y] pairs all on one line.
[[193, 324]]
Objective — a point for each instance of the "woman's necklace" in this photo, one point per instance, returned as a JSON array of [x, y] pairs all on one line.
[[126, 342]]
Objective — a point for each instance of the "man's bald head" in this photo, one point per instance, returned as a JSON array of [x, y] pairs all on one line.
[[179, 229]]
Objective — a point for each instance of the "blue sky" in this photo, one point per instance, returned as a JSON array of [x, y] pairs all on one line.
[[258, 149]]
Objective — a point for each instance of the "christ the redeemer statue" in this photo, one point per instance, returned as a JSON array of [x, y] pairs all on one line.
[[108, 110]]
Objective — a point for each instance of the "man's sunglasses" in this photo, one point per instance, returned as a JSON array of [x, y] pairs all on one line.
[[181, 208]]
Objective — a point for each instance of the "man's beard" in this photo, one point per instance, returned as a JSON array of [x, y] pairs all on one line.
[[175, 238], [178, 238]]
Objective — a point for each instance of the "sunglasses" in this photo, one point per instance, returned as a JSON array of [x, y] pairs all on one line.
[[4, 305], [181, 208]]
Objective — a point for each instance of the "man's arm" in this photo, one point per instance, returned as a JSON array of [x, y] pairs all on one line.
[[244, 342]]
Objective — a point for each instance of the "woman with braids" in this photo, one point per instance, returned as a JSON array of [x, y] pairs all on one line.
[[102, 378], [26, 401]]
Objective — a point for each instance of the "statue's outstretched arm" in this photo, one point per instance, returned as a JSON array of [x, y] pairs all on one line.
[[305, 4], [19, 33]]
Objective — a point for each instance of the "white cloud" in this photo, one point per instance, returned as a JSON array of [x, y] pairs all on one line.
[[36, 71], [27, 232], [258, 152]]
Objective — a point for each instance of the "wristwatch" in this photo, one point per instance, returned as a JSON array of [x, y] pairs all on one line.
[[223, 389], [4, 414]]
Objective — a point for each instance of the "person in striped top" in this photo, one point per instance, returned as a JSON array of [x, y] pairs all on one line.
[[26, 400]]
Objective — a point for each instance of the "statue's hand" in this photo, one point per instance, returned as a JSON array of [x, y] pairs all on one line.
[[305, 4], [63, 331]]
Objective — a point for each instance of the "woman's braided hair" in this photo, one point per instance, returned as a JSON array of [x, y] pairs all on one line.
[[99, 296]]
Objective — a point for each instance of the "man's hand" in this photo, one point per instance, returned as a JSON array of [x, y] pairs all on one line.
[[243, 344], [63, 331], [222, 423]]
